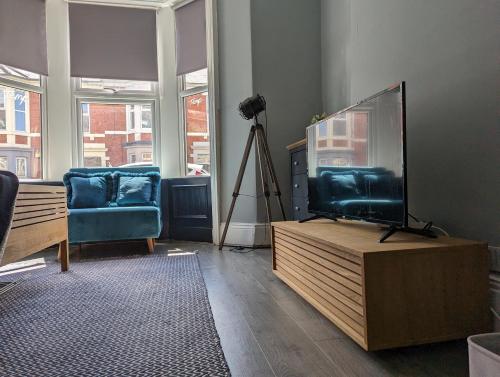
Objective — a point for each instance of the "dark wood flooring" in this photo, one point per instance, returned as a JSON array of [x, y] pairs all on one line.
[[266, 329]]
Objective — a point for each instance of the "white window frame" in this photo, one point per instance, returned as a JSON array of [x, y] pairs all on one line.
[[182, 95], [114, 97], [42, 90]]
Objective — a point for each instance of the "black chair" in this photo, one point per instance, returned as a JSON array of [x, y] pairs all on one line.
[[9, 184]]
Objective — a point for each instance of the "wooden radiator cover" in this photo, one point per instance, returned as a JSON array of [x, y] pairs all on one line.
[[40, 221]]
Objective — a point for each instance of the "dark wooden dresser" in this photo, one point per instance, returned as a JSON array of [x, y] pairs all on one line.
[[298, 161]]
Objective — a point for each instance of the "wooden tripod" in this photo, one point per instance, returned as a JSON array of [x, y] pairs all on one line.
[[266, 168]]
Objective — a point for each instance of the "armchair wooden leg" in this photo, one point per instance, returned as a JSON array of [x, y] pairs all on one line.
[[151, 245], [63, 255]]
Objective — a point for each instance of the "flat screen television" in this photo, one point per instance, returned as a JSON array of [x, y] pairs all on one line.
[[357, 161]]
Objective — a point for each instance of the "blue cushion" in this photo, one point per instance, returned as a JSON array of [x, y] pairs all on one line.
[[341, 185], [134, 191], [113, 223], [136, 188], [88, 190]]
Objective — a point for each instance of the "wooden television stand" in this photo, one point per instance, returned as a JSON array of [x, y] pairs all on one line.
[[409, 290]]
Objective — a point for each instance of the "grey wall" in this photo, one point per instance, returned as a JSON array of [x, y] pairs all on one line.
[[447, 52], [235, 79], [286, 66], [272, 48]]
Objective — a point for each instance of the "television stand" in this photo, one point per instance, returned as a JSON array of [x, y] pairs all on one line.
[[425, 231], [412, 290], [316, 217]]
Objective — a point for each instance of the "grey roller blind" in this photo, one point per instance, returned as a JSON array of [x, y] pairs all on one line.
[[191, 39], [108, 42], [23, 41]]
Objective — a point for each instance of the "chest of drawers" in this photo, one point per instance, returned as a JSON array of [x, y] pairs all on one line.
[[298, 168]]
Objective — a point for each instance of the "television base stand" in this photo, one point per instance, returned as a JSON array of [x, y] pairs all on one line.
[[425, 231], [316, 217]]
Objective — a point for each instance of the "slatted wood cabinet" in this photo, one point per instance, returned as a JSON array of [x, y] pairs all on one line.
[[40, 221], [407, 291]]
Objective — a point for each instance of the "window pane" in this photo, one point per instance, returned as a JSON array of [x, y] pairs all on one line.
[[3, 113], [146, 117], [195, 79], [21, 167], [85, 117], [20, 132], [116, 85], [322, 130], [111, 140], [197, 134], [20, 75], [20, 109], [339, 127]]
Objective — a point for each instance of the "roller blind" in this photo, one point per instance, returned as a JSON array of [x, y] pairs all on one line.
[[191, 39], [23, 41], [109, 42]]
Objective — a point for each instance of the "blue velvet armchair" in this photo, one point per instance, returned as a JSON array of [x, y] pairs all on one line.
[[108, 204]]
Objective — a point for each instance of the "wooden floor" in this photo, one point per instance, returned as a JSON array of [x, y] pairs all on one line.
[[266, 329]]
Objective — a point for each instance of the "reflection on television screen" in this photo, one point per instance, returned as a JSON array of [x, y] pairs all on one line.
[[355, 161]]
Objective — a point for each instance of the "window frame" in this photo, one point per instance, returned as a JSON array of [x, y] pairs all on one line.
[[182, 95], [42, 91], [80, 96]]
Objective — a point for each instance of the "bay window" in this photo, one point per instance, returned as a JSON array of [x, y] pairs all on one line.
[[193, 102], [116, 122], [21, 122]]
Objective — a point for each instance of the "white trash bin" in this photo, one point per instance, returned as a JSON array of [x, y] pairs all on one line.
[[484, 355]]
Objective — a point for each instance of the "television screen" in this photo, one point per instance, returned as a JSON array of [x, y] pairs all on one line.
[[356, 161]]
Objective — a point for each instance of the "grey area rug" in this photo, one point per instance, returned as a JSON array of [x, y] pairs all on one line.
[[147, 316]]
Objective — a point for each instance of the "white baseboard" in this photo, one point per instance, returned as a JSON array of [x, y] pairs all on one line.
[[247, 234]]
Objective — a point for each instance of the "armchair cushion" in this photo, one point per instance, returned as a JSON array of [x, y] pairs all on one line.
[[137, 189], [113, 223], [88, 190]]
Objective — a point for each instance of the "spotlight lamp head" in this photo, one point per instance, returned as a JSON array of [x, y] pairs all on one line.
[[252, 106]]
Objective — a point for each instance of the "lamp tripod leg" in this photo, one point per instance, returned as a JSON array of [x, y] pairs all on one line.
[[237, 186], [270, 167], [263, 174]]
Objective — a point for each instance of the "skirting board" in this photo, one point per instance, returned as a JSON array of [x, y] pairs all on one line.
[[247, 234]]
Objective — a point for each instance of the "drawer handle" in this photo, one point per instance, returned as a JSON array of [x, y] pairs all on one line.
[[297, 208], [296, 163], [296, 185]]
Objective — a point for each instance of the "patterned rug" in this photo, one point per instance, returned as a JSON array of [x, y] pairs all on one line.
[[145, 316]]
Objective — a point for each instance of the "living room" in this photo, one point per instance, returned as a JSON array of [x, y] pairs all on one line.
[[135, 237]]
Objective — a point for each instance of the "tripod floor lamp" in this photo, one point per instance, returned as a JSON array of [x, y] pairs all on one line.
[[250, 109]]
